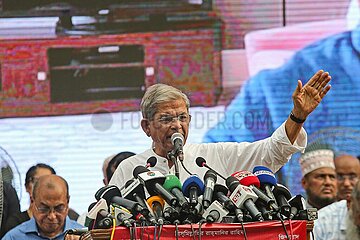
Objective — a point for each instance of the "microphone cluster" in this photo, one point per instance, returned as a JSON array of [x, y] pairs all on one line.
[[152, 198]]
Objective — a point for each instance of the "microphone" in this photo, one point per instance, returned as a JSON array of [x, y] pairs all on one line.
[[210, 180], [98, 212], [112, 195], [243, 197], [77, 232], [201, 162], [153, 181], [135, 191], [215, 212], [247, 178], [192, 188], [177, 140], [267, 180], [170, 213], [282, 195], [220, 193], [156, 204], [151, 162], [122, 215], [297, 203], [173, 185], [267, 214]]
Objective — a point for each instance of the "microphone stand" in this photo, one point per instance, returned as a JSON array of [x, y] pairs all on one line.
[[172, 157]]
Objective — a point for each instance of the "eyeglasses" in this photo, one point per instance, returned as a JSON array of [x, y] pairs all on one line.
[[167, 119], [60, 209], [350, 177]]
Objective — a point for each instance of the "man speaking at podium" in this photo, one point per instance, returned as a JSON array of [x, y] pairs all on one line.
[[165, 111]]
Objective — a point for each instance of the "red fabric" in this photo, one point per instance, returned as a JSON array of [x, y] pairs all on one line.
[[247, 178], [256, 230]]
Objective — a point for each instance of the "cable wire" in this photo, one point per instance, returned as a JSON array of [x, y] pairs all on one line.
[[182, 164], [113, 229], [291, 229], [283, 224], [243, 228], [160, 230], [176, 231], [155, 227]]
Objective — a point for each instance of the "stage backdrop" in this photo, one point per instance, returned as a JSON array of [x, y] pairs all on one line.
[[75, 133]]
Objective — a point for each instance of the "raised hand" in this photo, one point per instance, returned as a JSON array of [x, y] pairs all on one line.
[[306, 98]]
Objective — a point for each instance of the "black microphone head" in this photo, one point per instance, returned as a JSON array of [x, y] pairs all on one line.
[[221, 188], [138, 170], [129, 182], [298, 201], [177, 136], [280, 189], [151, 162], [232, 182], [107, 193], [136, 189], [91, 206], [200, 161]]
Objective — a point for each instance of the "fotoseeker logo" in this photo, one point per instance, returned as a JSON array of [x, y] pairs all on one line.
[[202, 118]]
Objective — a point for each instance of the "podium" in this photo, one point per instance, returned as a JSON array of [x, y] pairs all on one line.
[[297, 229]]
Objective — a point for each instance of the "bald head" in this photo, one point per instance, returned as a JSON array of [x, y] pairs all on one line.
[[50, 182], [104, 168], [347, 169], [50, 201]]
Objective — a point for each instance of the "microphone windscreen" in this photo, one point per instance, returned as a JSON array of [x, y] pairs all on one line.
[[156, 198], [265, 175], [128, 183], [232, 183], [200, 161], [280, 189], [221, 188], [193, 180], [177, 136], [171, 182], [138, 170], [247, 178], [151, 162], [107, 192]]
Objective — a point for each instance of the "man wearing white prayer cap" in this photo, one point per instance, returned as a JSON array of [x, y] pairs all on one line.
[[319, 177]]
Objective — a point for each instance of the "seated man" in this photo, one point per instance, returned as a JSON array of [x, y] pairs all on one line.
[[10, 204], [347, 169], [104, 168], [332, 222], [340, 220], [50, 200], [319, 177], [115, 161], [31, 176]]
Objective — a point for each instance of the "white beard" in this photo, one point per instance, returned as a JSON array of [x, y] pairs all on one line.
[[352, 231]]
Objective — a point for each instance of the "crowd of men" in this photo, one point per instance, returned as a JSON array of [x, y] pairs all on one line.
[[331, 184]]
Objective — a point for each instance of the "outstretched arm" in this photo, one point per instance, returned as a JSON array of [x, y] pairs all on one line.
[[305, 99]]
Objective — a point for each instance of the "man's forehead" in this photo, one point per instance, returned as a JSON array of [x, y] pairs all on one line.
[[171, 107], [322, 171], [346, 160]]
